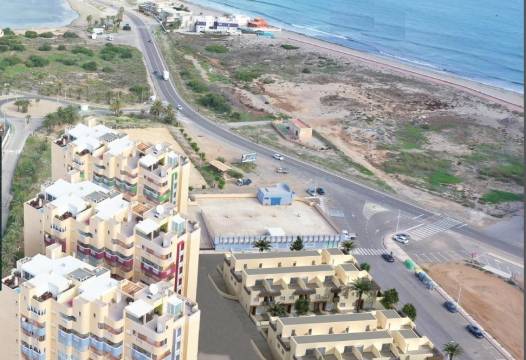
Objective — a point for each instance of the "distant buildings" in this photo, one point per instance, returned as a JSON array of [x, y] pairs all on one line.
[[279, 194], [56, 307]]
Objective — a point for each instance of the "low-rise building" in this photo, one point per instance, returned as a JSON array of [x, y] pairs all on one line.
[[219, 24], [144, 172], [299, 131], [140, 242], [279, 194], [68, 309], [323, 277], [380, 334]]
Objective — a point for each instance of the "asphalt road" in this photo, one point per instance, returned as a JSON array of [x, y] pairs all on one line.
[[352, 198]]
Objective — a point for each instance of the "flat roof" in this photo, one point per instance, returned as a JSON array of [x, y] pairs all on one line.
[[299, 123], [274, 254], [349, 267], [219, 165], [289, 269], [139, 308], [147, 226], [408, 334], [319, 319], [97, 286], [148, 160], [109, 207], [116, 147], [357, 336], [335, 251], [390, 314]]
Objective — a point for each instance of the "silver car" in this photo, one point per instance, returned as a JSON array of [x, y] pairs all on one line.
[[401, 238]]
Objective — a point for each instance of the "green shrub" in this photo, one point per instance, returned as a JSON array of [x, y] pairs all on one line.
[[141, 91], [8, 32], [70, 35], [306, 71], [45, 47], [31, 34], [247, 74], [11, 60], [498, 196], [197, 86], [215, 102], [90, 66], [67, 115], [236, 174], [36, 61], [108, 69], [61, 47], [82, 50], [69, 61], [46, 35], [17, 47], [3, 48], [216, 48], [110, 52], [289, 47]]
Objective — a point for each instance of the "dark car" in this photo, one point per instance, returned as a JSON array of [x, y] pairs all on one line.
[[475, 331], [450, 306], [243, 182], [320, 191], [388, 257], [126, 27]]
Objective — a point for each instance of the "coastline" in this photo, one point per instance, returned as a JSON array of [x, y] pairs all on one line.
[[508, 98]]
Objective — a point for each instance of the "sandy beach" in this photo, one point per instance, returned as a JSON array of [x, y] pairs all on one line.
[[512, 100]]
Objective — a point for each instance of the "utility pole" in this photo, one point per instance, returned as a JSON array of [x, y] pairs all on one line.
[[398, 220]]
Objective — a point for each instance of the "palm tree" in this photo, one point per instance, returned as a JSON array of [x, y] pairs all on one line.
[[365, 266], [263, 245], [452, 349], [89, 18], [361, 286], [277, 310], [297, 244], [156, 108], [347, 246], [116, 106]]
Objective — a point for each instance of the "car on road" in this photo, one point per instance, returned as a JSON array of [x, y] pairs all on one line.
[[149, 40], [348, 236], [278, 156], [311, 191], [450, 306], [401, 238], [388, 257], [126, 27], [282, 170], [179, 107], [243, 182], [475, 331], [320, 191]]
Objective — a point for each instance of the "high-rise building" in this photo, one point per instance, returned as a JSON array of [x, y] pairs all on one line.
[[151, 173], [64, 308], [136, 241]]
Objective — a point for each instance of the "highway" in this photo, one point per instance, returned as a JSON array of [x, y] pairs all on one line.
[[351, 198]]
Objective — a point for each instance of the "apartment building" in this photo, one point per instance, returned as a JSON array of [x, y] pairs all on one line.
[[320, 276], [380, 334], [135, 241], [151, 173], [68, 309]]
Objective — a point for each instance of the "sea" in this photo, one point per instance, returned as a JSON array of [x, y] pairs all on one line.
[[481, 40], [23, 14]]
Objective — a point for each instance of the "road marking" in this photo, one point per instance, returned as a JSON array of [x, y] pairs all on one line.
[[414, 227], [418, 233], [509, 261], [418, 217], [368, 251]]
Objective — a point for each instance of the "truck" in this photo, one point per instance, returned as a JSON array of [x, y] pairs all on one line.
[[166, 74]]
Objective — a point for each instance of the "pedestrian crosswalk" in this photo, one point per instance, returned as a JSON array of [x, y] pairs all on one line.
[[425, 231], [368, 252]]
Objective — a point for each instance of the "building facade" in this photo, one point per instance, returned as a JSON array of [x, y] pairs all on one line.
[[279, 194], [380, 334], [135, 241], [68, 309], [143, 172], [299, 131]]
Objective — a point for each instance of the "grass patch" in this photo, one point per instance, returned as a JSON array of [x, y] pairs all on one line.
[[215, 102], [216, 48], [32, 169], [248, 74], [289, 47], [411, 137], [511, 171], [498, 196], [210, 174]]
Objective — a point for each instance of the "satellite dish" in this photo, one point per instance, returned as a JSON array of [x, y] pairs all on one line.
[[154, 289], [159, 209]]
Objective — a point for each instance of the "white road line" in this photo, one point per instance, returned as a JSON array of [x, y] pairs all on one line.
[[418, 217], [414, 227], [509, 261]]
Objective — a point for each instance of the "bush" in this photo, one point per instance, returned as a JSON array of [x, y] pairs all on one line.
[[82, 50], [31, 34], [70, 35], [69, 62], [247, 74], [61, 47], [498, 196], [46, 35], [67, 115], [17, 47], [390, 298], [410, 311], [197, 86], [301, 306], [110, 52], [90, 66], [236, 174], [215, 102], [36, 61], [216, 48], [141, 91], [306, 71], [108, 69], [8, 32], [3, 48], [289, 47], [10, 61], [45, 47]]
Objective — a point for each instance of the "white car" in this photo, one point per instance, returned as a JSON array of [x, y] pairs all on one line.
[[179, 107], [278, 156], [401, 238]]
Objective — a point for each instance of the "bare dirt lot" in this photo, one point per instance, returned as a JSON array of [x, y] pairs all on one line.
[[497, 305]]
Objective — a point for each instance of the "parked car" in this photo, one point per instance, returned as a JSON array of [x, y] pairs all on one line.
[[401, 238], [311, 191], [450, 306], [126, 27], [179, 107], [320, 191], [282, 170], [388, 257], [475, 331], [348, 236], [278, 156], [243, 182]]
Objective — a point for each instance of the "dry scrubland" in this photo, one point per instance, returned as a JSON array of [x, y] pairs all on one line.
[[399, 133]]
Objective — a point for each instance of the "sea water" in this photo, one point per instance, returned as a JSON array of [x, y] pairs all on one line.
[[481, 40], [21, 14]]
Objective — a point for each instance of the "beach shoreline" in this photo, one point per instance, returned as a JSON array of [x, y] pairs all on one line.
[[508, 98]]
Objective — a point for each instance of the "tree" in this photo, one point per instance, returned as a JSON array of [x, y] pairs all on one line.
[[361, 286], [277, 310], [263, 245], [301, 306], [347, 246], [116, 106], [156, 108], [22, 105], [410, 311], [452, 349], [28, 118], [297, 244], [168, 114], [390, 298], [365, 266], [89, 19]]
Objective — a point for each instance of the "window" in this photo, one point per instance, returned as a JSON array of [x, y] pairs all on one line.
[[260, 266], [279, 264]]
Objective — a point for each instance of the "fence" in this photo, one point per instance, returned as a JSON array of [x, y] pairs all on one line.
[[246, 242]]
